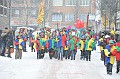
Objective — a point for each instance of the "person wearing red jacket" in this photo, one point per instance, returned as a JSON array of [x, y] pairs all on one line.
[[116, 53]]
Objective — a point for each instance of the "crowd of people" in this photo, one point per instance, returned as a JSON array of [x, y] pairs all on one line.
[[64, 44]]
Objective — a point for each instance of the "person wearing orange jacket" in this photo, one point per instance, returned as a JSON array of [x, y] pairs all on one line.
[[116, 53]]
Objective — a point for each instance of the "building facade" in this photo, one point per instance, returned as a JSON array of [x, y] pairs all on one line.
[[58, 13], [64, 12], [24, 13], [4, 14]]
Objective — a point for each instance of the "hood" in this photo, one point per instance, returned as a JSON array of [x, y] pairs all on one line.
[[118, 48]]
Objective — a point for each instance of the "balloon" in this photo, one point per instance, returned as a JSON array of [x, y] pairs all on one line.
[[79, 24], [75, 24], [69, 27], [77, 20]]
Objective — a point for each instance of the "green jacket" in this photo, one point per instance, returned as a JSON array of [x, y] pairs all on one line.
[[72, 44]]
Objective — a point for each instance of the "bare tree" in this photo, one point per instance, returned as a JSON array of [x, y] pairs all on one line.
[[109, 9]]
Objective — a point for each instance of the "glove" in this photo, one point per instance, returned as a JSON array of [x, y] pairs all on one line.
[[109, 54], [90, 46]]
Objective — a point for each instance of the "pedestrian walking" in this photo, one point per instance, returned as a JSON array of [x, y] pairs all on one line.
[[19, 46], [72, 48], [4, 41], [116, 53], [9, 43], [109, 58]]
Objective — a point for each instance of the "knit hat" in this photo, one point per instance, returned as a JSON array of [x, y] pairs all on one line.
[[111, 42]]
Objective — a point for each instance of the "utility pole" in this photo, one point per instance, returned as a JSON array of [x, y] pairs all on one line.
[[9, 13], [26, 12]]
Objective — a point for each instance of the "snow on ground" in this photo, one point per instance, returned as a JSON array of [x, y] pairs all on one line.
[[31, 68]]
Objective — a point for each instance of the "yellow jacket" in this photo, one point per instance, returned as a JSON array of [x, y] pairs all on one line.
[[82, 44], [66, 48], [20, 41], [90, 44], [101, 47]]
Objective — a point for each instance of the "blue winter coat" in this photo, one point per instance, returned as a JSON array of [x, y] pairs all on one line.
[[50, 43], [59, 43]]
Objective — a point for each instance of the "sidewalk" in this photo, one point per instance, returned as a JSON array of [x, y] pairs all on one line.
[[31, 68]]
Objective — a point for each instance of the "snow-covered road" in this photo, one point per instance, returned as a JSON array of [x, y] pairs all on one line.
[[31, 68]]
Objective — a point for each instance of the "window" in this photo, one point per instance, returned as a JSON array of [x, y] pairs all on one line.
[[1, 2], [85, 2], [35, 1], [5, 3], [57, 2], [56, 17], [70, 2], [69, 17], [83, 17], [5, 11], [18, 1], [32, 13], [3, 7], [16, 13], [119, 6], [1, 10]]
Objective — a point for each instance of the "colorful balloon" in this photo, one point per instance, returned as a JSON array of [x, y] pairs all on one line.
[[79, 24]]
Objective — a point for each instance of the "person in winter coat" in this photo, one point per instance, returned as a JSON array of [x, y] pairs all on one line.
[[81, 44], [60, 47], [88, 48], [9, 44], [4, 41], [72, 48], [38, 48], [66, 48], [19, 44], [51, 46], [109, 59], [24, 38], [33, 44], [116, 53], [100, 43], [30, 37]]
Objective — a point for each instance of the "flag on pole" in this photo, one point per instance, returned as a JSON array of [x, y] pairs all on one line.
[[40, 13]]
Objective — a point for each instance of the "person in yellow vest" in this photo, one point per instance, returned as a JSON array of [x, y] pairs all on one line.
[[101, 44], [81, 45], [109, 59], [66, 49], [88, 48]]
